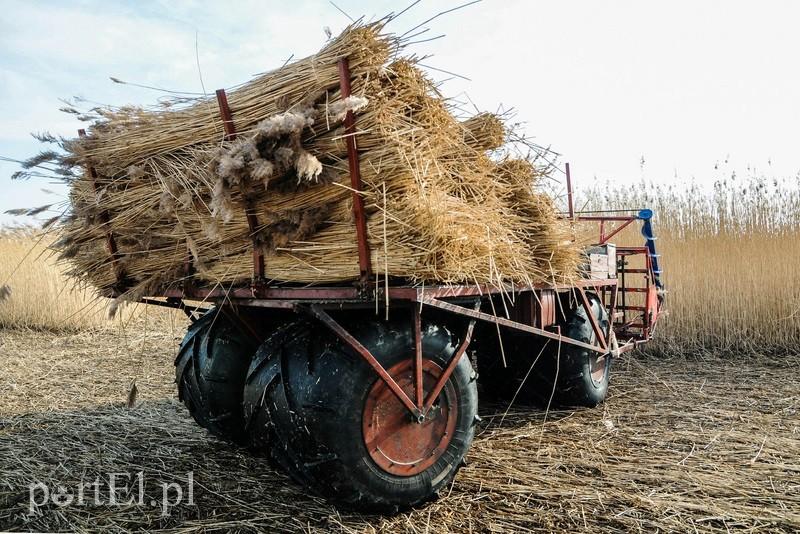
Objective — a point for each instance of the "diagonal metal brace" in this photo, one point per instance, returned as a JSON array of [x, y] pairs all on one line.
[[331, 323]]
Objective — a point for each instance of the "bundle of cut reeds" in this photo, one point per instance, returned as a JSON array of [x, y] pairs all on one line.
[[172, 191]]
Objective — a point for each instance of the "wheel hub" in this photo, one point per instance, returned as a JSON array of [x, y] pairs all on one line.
[[399, 442], [598, 363]]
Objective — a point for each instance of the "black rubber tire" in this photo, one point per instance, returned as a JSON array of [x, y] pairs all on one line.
[[304, 402], [210, 370], [528, 384], [573, 369]]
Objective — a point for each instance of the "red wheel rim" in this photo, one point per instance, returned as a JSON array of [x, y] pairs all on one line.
[[395, 441], [598, 367]]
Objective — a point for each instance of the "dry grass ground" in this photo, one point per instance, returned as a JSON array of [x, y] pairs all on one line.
[[681, 445]]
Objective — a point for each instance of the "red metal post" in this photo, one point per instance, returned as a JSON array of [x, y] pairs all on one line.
[[105, 220], [364, 262], [570, 207], [416, 309], [252, 220], [449, 369], [227, 117]]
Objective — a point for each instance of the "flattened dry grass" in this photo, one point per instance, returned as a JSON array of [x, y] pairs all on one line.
[[681, 445]]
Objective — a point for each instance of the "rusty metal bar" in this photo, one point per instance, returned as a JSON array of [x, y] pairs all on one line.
[[249, 209], [607, 218], [445, 376], [364, 262], [329, 321], [604, 238], [598, 332], [418, 384], [227, 116], [481, 316], [105, 220], [570, 207]]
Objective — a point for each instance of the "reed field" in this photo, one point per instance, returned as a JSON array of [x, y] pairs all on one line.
[[34, 291], [729, 258]]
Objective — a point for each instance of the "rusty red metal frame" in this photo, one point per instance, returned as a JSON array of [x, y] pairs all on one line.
[[364, 261], [105, 220], [475, 314], [598, 332], [331, 323], [451, 366], [250, 212], [285, 297]]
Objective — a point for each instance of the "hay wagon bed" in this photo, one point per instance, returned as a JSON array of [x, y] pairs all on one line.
[[376, 410], [368, 393]]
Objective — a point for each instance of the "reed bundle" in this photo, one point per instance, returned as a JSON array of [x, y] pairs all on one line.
[[443, 203]]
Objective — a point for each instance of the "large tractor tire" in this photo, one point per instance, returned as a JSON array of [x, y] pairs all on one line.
[[210, 371], [324, 414], [565, 377], [581, 375]]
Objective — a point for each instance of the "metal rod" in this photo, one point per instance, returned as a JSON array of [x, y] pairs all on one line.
[[227, 117], [249, 209], [481, 316], [445, 376], [416, 309], [598, 332], [604, 238], [570, 207], [364, 262], [328, 321]]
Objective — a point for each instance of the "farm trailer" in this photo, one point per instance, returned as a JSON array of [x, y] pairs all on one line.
[[368, 394]]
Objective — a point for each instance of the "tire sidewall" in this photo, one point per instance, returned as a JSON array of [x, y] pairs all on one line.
[[390, 345]]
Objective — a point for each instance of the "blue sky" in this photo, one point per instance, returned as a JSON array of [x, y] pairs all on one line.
[[683, 84]]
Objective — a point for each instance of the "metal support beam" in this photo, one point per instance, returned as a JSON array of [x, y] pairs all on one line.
[[401, 395], [416, 310], [445, 376], [598, 332], [250, 212], [570, 206], [364, 262], [481, 316]]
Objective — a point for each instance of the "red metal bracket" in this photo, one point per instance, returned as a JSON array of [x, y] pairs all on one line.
[[331, 323], [481, 316], [445, 376], [598, 332], [364, 262], [250, 212], [105, 220]]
